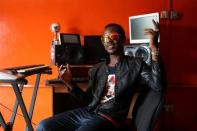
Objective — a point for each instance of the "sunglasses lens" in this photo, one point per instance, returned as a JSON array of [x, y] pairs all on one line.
[[105, 39], [114, 36], [110, 38]]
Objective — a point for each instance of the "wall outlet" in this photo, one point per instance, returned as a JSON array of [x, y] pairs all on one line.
[[164, 14], [174, 15]]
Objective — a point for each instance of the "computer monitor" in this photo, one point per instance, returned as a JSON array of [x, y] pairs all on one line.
[[69, 51], [138, 23]]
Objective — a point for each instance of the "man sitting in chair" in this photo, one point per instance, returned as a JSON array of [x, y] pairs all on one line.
[[111, 86]]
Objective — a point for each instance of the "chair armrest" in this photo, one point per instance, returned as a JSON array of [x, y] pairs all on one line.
[[132, 105]]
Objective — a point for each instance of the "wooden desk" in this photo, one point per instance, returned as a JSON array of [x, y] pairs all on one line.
[[62, 100]]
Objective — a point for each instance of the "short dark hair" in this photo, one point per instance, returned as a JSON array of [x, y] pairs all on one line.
[[118, 28]]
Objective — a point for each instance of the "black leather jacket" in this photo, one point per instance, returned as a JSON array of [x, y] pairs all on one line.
[[129, 71]]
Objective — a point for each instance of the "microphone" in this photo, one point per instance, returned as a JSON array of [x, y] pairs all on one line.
[[55, 28]]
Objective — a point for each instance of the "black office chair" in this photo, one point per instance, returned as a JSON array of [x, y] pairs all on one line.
[[145, 108]]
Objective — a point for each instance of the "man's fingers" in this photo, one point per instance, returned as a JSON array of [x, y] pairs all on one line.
[[154, 22], [68, 67], [148, 31], [60, 69], [156, 25]]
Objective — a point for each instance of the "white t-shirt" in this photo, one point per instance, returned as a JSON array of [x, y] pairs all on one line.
[[109, 91]]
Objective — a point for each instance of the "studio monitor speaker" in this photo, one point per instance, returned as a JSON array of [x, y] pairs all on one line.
[[94, 50], [138, 50]]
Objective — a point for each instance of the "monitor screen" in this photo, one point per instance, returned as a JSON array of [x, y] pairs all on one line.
[[70, 39], [138, 23]]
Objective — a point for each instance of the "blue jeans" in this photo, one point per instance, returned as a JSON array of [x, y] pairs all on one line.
[[76, 120]]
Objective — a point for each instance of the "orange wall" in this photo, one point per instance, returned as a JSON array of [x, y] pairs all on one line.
[[25, 35]]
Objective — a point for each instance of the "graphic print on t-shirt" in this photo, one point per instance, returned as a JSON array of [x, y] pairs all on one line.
[[109, 91]]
